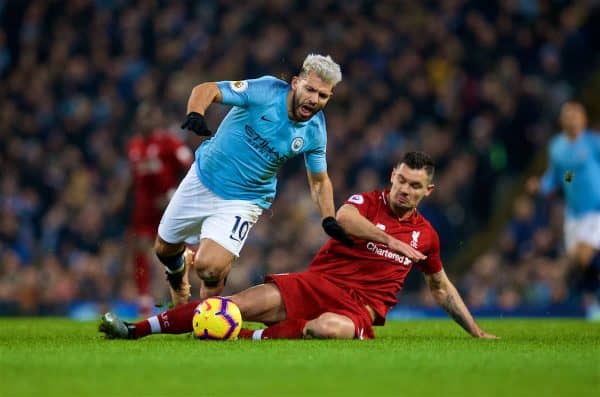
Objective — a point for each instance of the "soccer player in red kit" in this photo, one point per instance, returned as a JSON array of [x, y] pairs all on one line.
[[158, 159], [345, 290]]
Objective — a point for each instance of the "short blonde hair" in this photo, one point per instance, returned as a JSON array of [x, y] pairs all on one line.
[[323, 66]]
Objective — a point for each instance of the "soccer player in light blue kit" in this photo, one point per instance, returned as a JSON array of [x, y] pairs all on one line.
[[574, 165], [234, 176]]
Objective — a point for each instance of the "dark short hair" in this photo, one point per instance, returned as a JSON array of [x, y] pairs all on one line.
[[417, 161]]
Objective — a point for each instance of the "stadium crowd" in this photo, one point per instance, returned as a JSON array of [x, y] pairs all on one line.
[[477, 85]]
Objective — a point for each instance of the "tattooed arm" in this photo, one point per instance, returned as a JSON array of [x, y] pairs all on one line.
[[446, 295]]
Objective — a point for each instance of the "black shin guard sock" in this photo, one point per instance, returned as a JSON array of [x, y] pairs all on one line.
[[172, 262]]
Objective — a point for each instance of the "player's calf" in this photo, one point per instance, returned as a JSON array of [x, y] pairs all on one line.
[[177, 271], [172, 257]]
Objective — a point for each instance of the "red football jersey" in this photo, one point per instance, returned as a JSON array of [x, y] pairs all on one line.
[[157, 163], [371, 272]]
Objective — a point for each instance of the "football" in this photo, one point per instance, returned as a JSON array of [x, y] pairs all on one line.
[[217, 318]]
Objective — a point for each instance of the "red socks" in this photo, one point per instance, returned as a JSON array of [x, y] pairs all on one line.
[[287, 329], [173, 321], [179, 321]]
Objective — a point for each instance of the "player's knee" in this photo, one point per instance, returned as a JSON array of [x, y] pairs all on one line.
[[321, 328], [330, 325], [210, 273], [584, 256]]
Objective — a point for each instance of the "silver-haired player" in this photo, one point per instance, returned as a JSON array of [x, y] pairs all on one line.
[[233, 178]]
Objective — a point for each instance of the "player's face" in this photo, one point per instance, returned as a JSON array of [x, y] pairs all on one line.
[[409, 186], [572, 117], [310, 94]]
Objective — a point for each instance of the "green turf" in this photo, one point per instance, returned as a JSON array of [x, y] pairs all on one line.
[[57, 357]]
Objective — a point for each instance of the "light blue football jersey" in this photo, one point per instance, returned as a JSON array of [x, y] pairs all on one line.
[[254, 140], [580, 158]]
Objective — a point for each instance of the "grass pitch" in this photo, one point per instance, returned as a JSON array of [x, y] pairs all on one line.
[[58, 357]]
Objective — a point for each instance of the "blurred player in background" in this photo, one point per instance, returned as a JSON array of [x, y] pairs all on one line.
[[158, 159], [234, 176], [574, 165], [346, 290]]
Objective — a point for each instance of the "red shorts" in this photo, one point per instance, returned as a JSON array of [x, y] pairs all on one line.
[[307, 295]]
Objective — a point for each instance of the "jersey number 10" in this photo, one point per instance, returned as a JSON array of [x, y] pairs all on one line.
[[240, 229]]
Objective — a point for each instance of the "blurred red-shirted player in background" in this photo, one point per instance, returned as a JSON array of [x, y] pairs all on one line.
[[158, 159]]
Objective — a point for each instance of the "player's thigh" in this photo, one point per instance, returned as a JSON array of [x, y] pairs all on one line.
[[261, 303], [230, 224], [331, 325], [189, 206]]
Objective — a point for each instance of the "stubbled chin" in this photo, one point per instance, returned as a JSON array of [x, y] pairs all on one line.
[[302, 116], [403, 204]]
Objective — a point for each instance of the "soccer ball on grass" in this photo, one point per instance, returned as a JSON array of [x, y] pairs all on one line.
[[217, 318]]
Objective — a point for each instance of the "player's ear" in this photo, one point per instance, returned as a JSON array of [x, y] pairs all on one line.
[[294, 82], [430, 188]]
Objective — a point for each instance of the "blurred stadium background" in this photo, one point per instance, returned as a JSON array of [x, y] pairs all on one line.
[[476, 84]]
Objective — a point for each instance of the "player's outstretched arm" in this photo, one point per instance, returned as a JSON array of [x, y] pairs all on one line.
[[446, 295], [202, 96], [321, 191], [200, 99], [359, 226]]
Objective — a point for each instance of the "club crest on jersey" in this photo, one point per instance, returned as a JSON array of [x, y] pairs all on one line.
[[380, 226], [239, 86], [297, 144], [357, 199], [414, 242]]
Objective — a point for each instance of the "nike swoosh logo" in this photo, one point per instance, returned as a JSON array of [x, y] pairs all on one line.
[[266, 119]]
